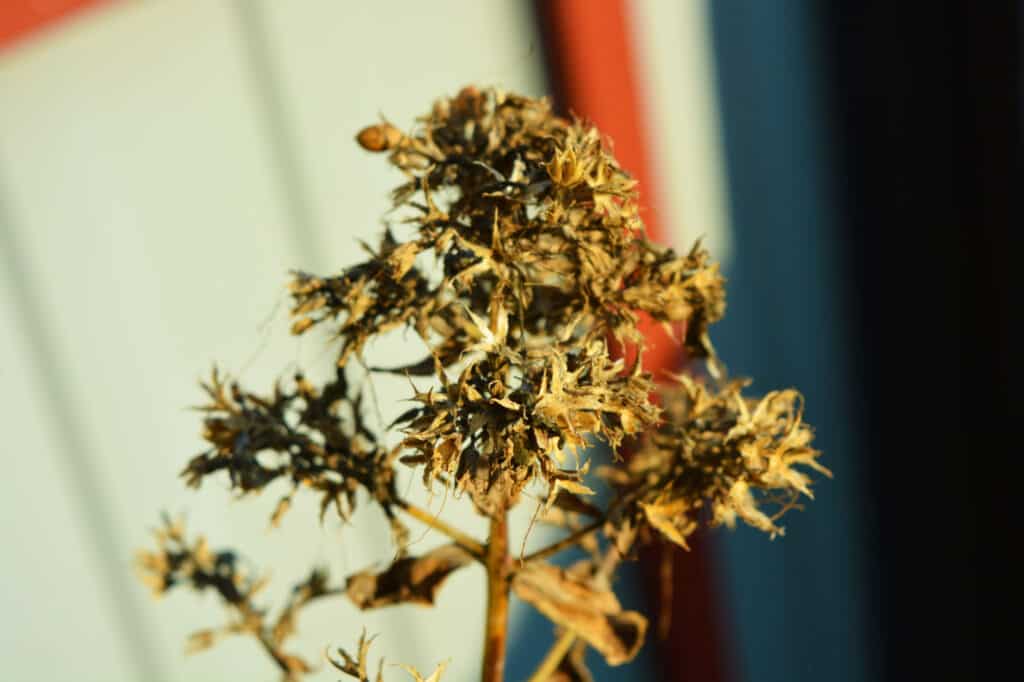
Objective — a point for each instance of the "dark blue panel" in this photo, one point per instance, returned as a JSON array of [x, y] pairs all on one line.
[[797, 604]]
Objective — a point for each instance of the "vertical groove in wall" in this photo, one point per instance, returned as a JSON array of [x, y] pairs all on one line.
[[76, 457], [301, 226]]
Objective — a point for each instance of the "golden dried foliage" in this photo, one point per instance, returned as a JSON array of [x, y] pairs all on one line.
[[517, 257], [723, 451]]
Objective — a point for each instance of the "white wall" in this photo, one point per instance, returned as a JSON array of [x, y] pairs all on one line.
[[162, 167], [147, 230]]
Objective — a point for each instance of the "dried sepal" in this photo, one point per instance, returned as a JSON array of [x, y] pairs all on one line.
[[671, 518]]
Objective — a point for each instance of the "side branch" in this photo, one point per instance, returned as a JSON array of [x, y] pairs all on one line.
[[570, 540], [461, 539], [554, 657]]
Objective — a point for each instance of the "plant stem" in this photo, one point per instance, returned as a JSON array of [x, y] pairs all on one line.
[[249, 615], [554, 657], [497, 599], [570, 540], [461, 539]]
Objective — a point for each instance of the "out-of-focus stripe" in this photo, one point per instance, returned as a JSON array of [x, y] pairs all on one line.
[[19, 18], [675, 74], [594, 71]]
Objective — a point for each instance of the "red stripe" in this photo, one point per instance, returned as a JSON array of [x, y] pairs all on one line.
[[594, 72], [21, 18]]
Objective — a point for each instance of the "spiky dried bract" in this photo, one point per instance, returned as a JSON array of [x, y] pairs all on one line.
[[505, 421], [179, 562], [541, 256], [720, 449], [313, 437], [357, 666]]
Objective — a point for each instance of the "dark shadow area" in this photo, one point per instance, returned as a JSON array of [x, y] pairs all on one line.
[[871, 155]]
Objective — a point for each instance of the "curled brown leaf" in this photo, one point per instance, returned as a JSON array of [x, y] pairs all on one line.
[[411, 580], [594, 614]]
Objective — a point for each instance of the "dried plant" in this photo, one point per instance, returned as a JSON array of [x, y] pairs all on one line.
[[526, 278]]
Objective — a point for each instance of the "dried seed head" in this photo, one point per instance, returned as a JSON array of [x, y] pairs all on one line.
[[719, 449], [541, 253]]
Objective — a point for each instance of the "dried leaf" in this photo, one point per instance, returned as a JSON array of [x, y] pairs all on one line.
[[595, 615], [414, 580]]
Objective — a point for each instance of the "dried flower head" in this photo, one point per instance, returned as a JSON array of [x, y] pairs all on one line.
[[724, 451], [542, 255], [313, 437]]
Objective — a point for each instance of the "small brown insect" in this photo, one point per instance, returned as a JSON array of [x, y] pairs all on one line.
[[379, 138]]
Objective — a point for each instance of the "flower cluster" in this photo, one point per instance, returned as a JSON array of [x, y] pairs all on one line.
[[314, 437], [517, 259], [720, 450], [542, 256]]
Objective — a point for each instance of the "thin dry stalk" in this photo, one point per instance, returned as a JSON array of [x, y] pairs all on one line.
[[496, 632], [461, 539], [554, 657]]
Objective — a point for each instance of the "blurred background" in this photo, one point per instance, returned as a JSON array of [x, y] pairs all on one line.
[[163, 165]]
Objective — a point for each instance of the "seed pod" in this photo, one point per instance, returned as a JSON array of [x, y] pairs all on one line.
[[379, 138]]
